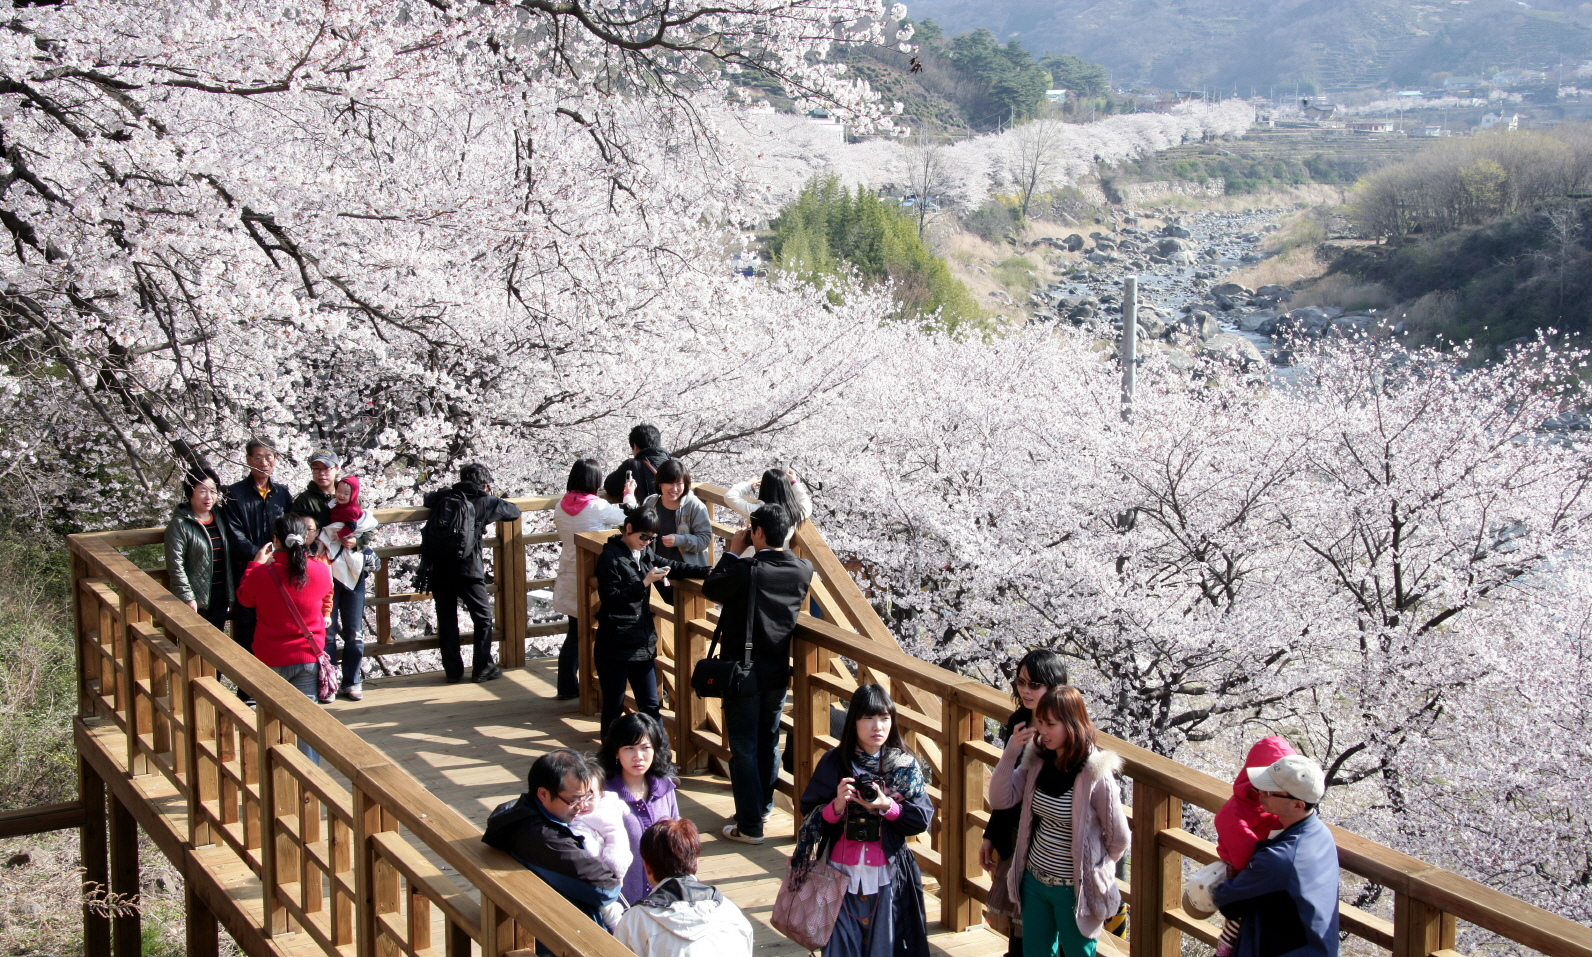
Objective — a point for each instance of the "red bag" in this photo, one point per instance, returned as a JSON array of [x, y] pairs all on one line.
[[807, 914]]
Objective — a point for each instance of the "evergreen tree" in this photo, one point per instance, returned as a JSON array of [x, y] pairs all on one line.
[[828, 230]]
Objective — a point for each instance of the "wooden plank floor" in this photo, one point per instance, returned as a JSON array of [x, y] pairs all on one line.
[[471, 745]]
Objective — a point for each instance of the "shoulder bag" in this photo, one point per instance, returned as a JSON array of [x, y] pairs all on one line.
[[326, 675], [725, 677], [806, 912]]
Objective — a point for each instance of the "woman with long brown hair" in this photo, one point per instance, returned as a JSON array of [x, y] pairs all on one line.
[[1071, 831]]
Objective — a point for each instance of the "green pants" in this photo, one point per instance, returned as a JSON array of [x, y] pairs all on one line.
[[1050, 922]]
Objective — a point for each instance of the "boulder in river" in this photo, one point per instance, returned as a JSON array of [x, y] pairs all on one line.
[[1230, 295], [1272, 295], [1262, 321], [1168, 246], [1307, 321], [1175, 231], [1235, 348], [1200, 325], [1073, 243]]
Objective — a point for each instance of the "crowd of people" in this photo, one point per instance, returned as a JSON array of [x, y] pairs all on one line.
[[606, 830]]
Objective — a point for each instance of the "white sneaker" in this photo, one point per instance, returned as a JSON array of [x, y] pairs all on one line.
[[734, 833]]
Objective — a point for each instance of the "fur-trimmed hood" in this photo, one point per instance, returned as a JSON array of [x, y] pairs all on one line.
[[1099, 827]]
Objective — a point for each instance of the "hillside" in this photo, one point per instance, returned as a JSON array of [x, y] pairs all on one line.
[[1261, 44]]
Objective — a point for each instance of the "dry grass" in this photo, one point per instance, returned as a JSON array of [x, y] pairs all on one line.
[[977, 264], [1297, 265], [1344, 292]]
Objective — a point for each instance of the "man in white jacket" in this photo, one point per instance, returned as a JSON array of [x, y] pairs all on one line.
[[681, 917]]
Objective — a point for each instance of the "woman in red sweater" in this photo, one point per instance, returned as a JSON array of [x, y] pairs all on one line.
[[282, 572]]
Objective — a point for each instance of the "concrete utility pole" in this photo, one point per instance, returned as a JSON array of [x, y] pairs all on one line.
[[1130, 342]]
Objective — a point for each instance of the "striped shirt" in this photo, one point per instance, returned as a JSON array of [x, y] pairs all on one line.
[[218, 562], [1050, 852]]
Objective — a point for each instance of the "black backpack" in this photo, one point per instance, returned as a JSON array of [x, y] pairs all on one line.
[[450, 534]]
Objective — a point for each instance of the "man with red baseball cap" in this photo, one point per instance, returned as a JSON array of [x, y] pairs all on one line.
[[1287, 897]]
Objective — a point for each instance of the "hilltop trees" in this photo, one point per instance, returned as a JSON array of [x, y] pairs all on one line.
[[830, 232]]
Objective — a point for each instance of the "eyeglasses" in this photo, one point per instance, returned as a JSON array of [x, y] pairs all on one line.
[[580, 800], [645, 537], [1279, 794], [1031, 685]]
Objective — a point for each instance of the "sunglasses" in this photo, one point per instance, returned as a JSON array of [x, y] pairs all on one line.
[[645, 537]]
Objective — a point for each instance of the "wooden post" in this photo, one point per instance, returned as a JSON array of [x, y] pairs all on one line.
[[204, 937], [961, 793], [86, 658], [93, 845], [202, 777], [1157, 874], [497, 929], [456, 942], [268, 730], [512, 583], [374, 887], [384, 610], [688, 649], [586, 591], [807, 705], [1420, 929], [127, 933]]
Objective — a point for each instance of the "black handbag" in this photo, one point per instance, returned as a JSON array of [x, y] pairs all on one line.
[[725, 677]]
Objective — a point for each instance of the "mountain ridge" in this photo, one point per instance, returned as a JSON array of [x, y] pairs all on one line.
[[1267, 46]]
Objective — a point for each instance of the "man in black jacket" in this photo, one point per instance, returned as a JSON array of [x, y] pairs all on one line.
[[535, 830], [643, 464], [453, 579], [766, 591], [250, 508], [626, 644]]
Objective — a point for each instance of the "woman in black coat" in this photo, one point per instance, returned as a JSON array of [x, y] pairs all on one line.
[[866, 837], [626, 644], [1038, 672]]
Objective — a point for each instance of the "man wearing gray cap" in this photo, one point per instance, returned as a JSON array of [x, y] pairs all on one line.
[[1287, 897]]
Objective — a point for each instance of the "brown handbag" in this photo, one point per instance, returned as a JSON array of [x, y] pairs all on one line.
[[808, 913]]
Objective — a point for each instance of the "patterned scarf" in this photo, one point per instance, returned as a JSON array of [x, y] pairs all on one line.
[[902, 776]]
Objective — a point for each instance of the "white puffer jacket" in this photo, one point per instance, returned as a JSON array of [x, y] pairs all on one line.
[[697, 921], [596, 516]]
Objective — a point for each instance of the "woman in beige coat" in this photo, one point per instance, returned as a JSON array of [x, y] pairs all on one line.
[[1071, 831]]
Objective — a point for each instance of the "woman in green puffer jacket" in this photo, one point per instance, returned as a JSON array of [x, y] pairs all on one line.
[[198, 559]]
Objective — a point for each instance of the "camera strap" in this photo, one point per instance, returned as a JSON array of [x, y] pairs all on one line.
[[751, 608]]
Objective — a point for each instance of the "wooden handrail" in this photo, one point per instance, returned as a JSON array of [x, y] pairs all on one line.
[[515, 896], [148, 669]]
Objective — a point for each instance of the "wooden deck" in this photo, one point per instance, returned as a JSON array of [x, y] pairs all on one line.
[[471, 745]]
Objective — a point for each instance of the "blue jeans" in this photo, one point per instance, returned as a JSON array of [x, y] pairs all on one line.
[[348, 620], [752, 724], [642, 676], [569, 663], [305, 678]]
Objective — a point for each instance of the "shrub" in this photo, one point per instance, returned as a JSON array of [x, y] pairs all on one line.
[[993, 222]]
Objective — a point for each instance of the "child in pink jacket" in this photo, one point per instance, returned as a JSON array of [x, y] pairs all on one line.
[[1240, 825]]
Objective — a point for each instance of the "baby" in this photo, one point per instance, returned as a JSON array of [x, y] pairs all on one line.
[[1240, 825], [348, 522], [605, 837]]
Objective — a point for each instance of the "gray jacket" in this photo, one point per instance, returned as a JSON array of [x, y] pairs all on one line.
[[694, 532], [188, 555]]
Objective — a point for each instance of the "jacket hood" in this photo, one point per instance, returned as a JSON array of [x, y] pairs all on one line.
[[1263, 754], [469, 488], [1101, 762], [573, 503], [685, 907], [353, 487]]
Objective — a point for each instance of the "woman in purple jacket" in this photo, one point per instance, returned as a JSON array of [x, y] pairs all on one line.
[[635, 756]]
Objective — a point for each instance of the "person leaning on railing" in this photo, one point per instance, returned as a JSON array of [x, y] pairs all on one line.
[[198, 555], [1071, 832], [580, 510], [289, 638], [626, 645]]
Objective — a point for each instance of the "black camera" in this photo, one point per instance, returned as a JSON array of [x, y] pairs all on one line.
[[867, 786], [863, 824]]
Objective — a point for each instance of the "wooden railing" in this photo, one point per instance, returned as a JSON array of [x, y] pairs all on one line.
[[224, 791], [944, 717], [337, 849]]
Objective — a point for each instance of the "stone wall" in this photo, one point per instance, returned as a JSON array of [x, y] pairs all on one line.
[[1142, 192]]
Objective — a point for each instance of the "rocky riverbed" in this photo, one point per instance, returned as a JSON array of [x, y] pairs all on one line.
[[1185, 311]]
